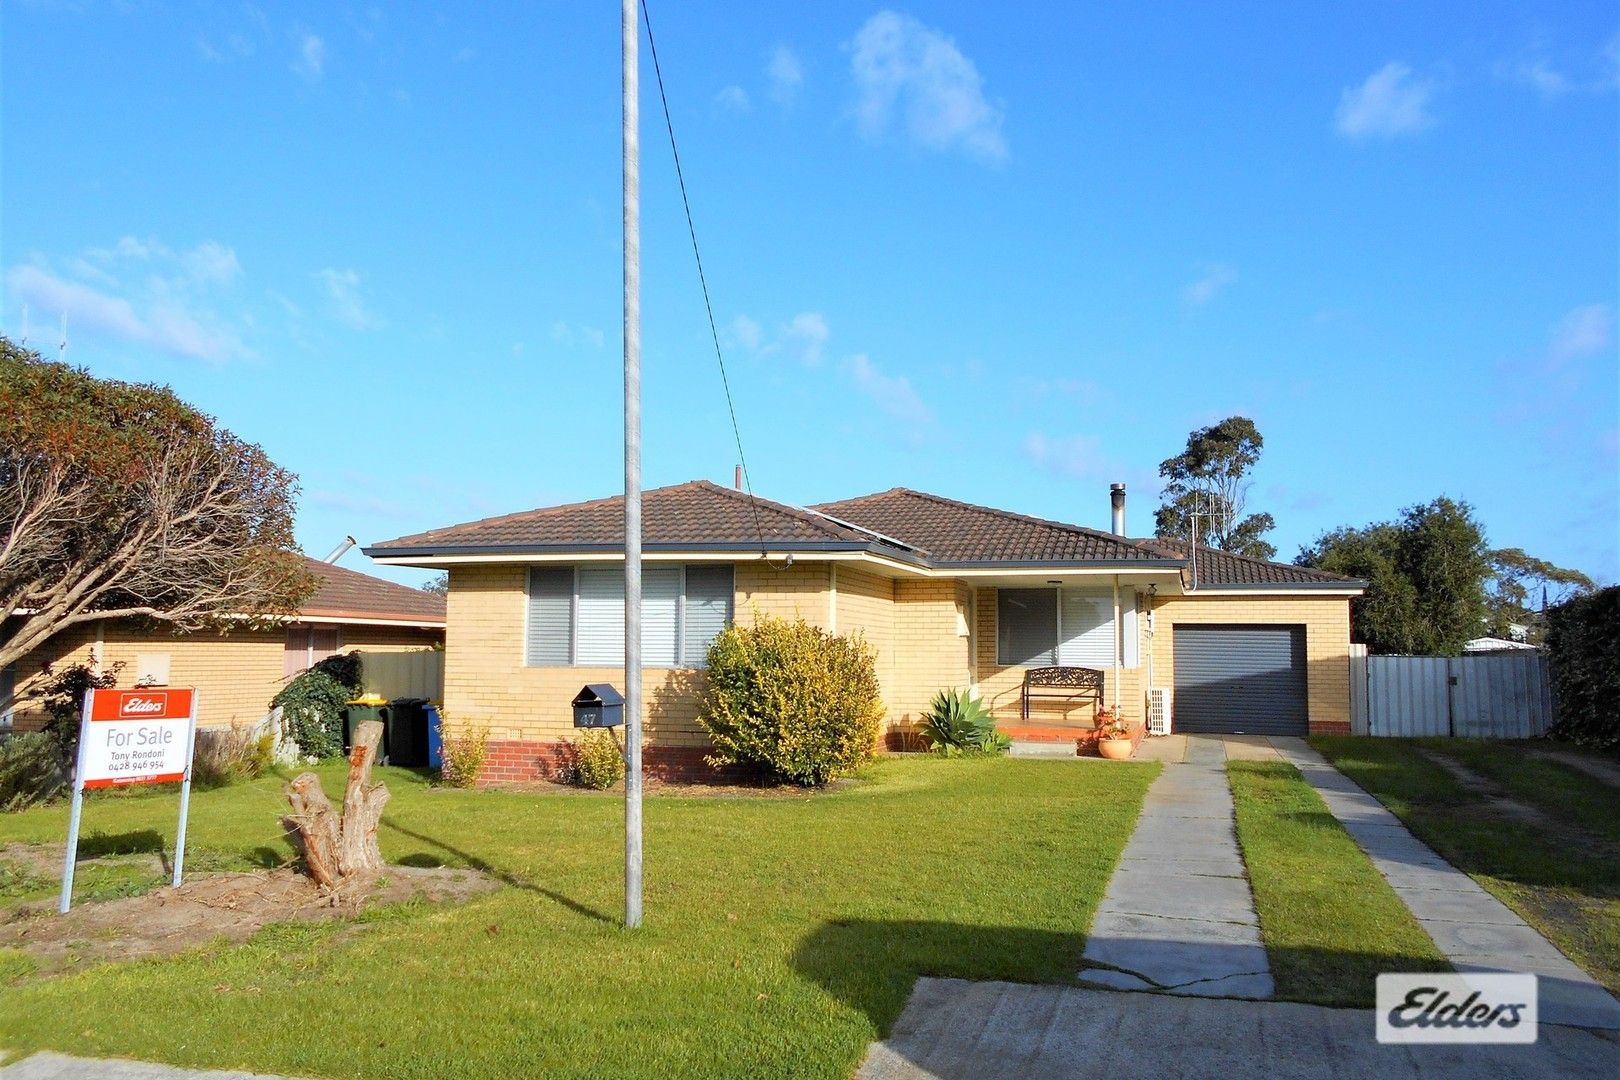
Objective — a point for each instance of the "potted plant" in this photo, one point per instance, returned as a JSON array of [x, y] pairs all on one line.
[[1114, 736]]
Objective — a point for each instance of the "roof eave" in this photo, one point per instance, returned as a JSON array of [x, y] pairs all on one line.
[[661, 547]]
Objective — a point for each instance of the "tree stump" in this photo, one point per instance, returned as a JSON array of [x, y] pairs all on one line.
[[340, 850]]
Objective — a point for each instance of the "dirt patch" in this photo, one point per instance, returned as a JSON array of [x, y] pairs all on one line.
[[232, 906], [1501, 802], [1605, 770]]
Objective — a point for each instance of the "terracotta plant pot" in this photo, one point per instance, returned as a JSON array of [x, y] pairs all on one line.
[[1116, 749]]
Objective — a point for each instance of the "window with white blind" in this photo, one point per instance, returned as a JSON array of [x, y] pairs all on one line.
[[575, 615], [1067, 627]]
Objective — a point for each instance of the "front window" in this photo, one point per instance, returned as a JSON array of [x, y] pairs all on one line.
[[1068, 627], [576, 615]]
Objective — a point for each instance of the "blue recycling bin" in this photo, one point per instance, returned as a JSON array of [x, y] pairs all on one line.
[[435, 739]]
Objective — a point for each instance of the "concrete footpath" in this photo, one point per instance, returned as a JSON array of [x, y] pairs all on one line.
[[49, 1066], [1475, 930], [957, 1030], [1178, 915]]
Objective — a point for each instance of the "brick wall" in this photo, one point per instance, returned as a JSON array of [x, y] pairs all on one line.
[[930, 646], [353, 638]]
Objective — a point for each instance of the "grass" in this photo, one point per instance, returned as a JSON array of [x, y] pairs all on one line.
[[782, 934], [1548, 875], [1329, 920], [1557, 789]]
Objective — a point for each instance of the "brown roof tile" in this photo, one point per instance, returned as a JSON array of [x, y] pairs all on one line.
[[696, 513], [958, 532], [342, 592], [1217, 568]]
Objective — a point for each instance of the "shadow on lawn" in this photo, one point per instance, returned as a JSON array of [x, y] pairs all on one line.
[[872, 966], [506, 877]]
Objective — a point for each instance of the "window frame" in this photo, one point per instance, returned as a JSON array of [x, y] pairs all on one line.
[[1057, 626], [682, 662]]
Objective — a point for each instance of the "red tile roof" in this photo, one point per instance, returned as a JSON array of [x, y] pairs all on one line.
[[696, 514], [900, 523], [343, 593], [958, 532]]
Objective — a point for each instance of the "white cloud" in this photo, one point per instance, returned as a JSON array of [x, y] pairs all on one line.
[[1546, 80], [732, 99], [465, 54], [1070, 455], [343, 296], [1204, 289], [310, 63], [164, 324], [806, 336], [914, 76], [894, 394], [748, 332], [569, 336], [786, 74], [1582, 332], [1388, 104], [211, 263]]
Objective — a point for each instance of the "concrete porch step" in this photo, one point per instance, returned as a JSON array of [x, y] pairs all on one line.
[[1026, 748]]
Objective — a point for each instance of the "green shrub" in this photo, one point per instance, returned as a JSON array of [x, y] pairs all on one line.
[[312, 704], [1583, 645], [957, 723], [598, 762], [63, 699], [463, 753], [798, 702], [32, 770]]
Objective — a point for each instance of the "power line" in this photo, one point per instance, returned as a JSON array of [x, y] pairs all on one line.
[[697, 255]]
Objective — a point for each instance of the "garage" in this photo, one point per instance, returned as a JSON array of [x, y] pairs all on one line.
[[1233, 680]]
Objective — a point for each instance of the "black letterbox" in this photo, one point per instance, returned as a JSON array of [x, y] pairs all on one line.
[[598, 705]]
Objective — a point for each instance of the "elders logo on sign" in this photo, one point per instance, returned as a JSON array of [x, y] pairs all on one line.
[[1473, 1008], [138, 706]]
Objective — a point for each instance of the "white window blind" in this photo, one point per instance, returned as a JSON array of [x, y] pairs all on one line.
[[576, 615], [1087, 629], [709, 591], [1070, 627]]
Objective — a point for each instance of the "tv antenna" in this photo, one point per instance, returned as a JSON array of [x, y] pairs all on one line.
[[62, 346], [23, 341]]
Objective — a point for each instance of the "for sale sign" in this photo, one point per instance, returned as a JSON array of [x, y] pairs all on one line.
[[136, 737]]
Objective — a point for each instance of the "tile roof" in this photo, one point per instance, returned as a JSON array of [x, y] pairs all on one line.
[[900, 523], [695, 513], [958, 532], [342, 592], [1223, 568]]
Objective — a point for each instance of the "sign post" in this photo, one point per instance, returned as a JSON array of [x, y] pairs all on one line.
[[132, 737]]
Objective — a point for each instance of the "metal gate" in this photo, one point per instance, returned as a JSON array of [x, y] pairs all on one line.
[[1494, 696], [1240, 679]]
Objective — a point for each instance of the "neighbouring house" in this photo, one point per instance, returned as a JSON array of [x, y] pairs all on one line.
[[949, 595], [236, 671]]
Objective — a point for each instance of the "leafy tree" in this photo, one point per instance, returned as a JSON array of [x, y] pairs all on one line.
[[1522, 587], [1425, 574], [1210, 477], [439, 586], [121, 500]]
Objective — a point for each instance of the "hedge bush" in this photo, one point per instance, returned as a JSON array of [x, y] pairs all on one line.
[[1583, 645], [598, 761], [32, 770], [799, 703], [313, 701]]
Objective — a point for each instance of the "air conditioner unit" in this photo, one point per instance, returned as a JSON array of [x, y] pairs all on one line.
[[1158, 711]]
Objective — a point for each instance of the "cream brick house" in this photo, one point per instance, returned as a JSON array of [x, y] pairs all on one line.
[[948, 594], [239, 671]]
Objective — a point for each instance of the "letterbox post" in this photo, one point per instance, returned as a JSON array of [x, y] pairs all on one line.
[[71, 858], [185, 793]]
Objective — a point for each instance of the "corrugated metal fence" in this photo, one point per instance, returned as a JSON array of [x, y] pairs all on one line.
[[1492, 696], [417, 674]]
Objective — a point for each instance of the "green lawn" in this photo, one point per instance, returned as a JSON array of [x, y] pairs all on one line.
[[1329, 920], [1559, 876], [782, 934], [1557, 789]]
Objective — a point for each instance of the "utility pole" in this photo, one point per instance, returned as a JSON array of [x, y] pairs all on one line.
[[631, 32]]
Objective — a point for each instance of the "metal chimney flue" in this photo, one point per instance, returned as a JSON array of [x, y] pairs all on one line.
[[338, 552], [1116, 497], [736, 480]]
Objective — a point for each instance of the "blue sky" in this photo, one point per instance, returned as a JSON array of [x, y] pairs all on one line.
[[1007, 253]]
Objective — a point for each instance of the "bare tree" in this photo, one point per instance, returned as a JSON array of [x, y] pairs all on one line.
[[121, 500]]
